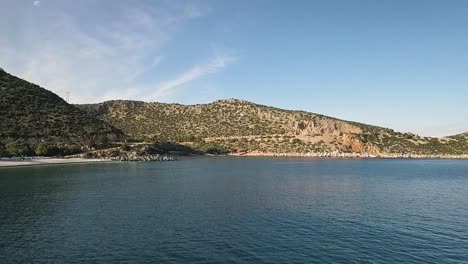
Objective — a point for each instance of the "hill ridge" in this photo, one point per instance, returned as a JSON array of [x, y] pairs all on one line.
[[32, 113], [228, 101], [243, 126]]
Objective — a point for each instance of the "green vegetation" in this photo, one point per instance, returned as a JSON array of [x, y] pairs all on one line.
[[240, 126], [48, 149], [30, 115], [18, 147], [181, 123], [200, 147], [34, 121]]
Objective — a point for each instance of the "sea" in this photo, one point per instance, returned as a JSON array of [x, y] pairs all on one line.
[[236, 210]]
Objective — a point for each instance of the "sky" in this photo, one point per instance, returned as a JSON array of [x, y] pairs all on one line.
[[397, 64]]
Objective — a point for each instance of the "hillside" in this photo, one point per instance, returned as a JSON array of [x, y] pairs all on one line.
[[34, 114], [243, 127], [461, 136]]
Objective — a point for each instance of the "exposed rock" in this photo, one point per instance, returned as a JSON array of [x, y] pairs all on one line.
[[135, 153], [325, 126]]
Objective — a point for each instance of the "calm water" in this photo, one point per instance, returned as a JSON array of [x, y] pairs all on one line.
[[236, 210]]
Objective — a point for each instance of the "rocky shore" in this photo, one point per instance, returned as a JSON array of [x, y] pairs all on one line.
[[138, 153], [350, 155], [155, 157]]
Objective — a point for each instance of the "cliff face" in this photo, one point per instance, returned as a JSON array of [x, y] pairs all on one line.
[[325, 126], [245, 127]]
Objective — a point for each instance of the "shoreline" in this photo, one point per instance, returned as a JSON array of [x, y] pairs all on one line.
[[65, 161], [47, 161], [349, 155]]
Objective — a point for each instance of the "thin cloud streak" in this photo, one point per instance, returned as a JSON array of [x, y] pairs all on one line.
[[216, 64], [156, 61], [96, 64]]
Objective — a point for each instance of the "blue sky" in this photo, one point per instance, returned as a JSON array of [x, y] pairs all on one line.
[[397, 64]]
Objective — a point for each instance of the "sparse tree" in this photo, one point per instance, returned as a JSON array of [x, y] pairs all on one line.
[[18, 147], [42, 149]]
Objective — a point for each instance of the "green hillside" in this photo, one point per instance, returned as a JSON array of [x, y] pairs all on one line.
[[463, 136], [35, 120], [240, 126], [35, 115]]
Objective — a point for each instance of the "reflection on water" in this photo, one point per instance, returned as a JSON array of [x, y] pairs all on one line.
[[238, 210]]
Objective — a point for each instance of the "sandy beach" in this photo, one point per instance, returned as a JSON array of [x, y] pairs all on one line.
[[46, 161]]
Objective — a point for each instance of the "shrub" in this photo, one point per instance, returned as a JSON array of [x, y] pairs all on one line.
[[125, 147], [18, 147], [70, 149], [3, 151], [42, 149], [47, 149], [296, 141]]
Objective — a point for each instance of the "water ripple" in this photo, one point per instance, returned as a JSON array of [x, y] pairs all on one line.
[[230, 210]]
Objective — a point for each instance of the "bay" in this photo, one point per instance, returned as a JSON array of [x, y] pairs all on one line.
[[237, 210]]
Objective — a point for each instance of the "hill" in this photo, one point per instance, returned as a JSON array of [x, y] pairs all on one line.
[[463, 135], [460, 137], [243, 127], [34, 115]]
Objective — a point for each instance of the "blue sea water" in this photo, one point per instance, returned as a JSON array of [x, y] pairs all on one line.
[[237, 210]]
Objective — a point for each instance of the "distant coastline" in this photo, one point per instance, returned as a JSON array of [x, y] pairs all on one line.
[[349, 155], [63, 161], [123, 130]]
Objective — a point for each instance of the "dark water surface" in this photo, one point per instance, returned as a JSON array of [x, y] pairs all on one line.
[[236, 210]]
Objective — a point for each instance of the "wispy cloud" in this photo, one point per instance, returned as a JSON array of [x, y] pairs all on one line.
[[107, 60], [218, 63], [157, 60], [37, 3]]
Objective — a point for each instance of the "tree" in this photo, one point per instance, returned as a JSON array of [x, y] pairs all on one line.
[[19, 147], [70, 149], [102, 140], [46, 149], [296, 141], [3, 151], [42, 149]]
